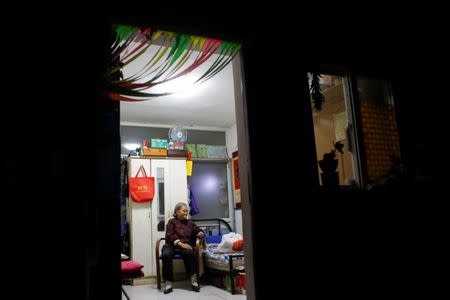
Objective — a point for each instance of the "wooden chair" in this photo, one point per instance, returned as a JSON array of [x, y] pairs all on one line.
[[197, 251]]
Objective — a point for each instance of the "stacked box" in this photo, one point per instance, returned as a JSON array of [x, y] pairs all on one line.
[[177, 153], [155, 152], [191, 148], [159, 143], [202, 151], [216, 151]]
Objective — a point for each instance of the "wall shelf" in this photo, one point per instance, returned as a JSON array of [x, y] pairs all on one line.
[[194, 159]]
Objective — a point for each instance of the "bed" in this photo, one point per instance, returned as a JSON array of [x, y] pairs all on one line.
[[231, 265]]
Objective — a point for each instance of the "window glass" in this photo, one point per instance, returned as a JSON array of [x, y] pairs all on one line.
[[209, 186], [331, 125], [379, 129]]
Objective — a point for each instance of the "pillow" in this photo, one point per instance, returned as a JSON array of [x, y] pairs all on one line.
[[131, 266], [132, 275], [238, 245]]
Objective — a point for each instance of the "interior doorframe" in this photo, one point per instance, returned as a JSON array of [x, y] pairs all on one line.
[[245, 173]]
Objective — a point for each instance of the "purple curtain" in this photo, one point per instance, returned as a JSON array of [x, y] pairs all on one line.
[[193, 203]]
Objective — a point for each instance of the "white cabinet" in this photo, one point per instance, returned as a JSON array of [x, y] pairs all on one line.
[[170, 188]]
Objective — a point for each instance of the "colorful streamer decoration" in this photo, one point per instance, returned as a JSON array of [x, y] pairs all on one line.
[[176, 56]]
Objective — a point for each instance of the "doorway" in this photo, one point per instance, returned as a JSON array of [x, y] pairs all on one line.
[[221, 108]]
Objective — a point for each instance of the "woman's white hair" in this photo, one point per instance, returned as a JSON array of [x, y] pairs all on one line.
[[178, 206]]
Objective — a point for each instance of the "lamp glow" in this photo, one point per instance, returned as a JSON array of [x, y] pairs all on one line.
[[131, 146]]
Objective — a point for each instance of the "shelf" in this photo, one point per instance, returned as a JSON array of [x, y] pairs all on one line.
[[210, 159], [194, 159], [158, 157]]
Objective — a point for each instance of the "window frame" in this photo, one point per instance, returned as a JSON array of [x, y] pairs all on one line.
[[353, 110]]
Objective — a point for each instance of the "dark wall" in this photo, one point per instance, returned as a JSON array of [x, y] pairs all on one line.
[[354, 244], [135, 135], [62, 228]]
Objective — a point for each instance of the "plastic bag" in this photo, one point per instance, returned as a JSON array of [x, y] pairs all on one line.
[[226, 245]]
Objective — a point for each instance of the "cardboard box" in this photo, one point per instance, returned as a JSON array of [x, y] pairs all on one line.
[[216, 151], [159, 143], [178, 145], [177, 153], [155, 152], [192, 148], [202, 152]]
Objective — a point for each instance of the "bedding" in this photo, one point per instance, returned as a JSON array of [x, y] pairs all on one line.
[[221, 261]]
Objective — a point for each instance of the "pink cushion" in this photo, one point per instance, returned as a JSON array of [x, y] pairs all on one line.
[[130, 275], [131, 266]]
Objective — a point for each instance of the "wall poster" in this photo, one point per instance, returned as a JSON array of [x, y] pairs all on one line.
[[236, 183]]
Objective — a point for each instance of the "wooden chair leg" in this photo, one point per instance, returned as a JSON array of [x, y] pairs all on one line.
[[158, 272]]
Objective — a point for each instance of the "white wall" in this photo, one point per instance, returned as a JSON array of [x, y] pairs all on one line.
[[238, 221], [231, 142]]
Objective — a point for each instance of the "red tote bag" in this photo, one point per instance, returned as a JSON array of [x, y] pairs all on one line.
[[142, 189]]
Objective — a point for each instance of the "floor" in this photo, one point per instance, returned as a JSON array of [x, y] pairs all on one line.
[[181, 291]]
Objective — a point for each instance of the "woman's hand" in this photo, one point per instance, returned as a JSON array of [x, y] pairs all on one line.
[[185, 246]]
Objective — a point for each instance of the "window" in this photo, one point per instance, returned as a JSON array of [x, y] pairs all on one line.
[[358, 113], [209, 185], [332, 124]]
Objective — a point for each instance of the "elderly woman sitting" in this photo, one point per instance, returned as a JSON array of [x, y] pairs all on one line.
[[181, 235]]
